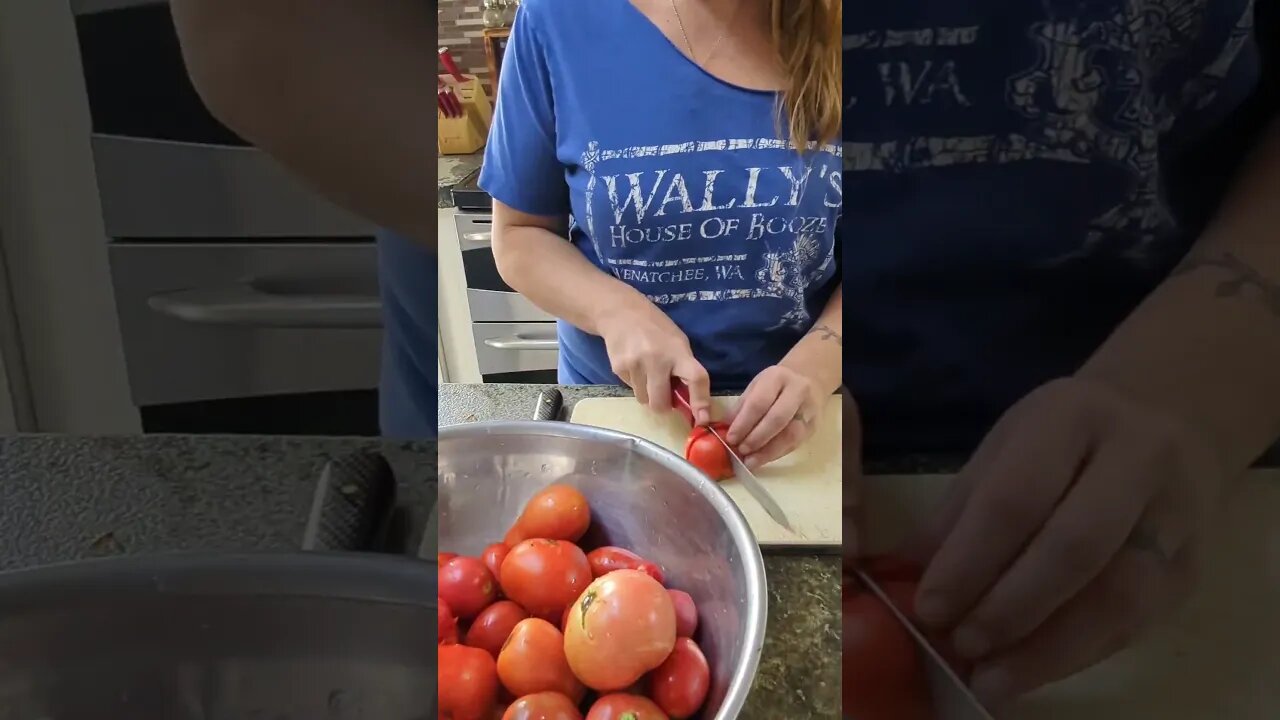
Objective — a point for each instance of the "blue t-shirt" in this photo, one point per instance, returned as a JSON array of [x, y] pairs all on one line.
[[676, 183], [407, 394], [1021, 175]]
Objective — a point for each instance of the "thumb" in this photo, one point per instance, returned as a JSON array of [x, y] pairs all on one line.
[[699, 383]]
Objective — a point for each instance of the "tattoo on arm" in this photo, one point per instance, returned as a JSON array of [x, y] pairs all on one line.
[[826, 333], [1239, 277]]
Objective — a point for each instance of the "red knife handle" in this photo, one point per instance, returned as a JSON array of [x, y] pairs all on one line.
[[447, 60], [680, 399]]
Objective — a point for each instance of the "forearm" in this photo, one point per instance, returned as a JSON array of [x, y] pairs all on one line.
[[554, 275], [1206, 344], [338, 92], [820, 353]]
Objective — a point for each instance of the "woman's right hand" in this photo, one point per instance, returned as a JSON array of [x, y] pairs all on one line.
[[646, 349]]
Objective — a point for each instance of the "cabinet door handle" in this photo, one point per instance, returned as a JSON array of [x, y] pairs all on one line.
[[246, 306], [519, 342]]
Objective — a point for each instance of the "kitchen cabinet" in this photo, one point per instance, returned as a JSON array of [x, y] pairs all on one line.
[[458, 358], [68, 343]]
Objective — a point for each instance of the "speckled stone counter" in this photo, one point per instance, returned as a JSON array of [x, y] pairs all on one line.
[[69, 498], [452, 168], [799, 676]]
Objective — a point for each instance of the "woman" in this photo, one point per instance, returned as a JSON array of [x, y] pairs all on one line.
[[658, 136]]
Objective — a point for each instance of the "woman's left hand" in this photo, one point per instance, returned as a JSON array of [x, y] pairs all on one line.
[[775, 415], [1076, 523]]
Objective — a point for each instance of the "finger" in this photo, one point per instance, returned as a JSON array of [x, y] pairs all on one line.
[[1104, 618], [1077, 542], [658, 381], [922, 544], [779, 445], [785, 410], [699, 382], [640, 384], [1013, 495], [755, 403]]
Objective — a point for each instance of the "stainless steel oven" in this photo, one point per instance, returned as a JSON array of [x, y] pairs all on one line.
[[247, 303], [515, 341]]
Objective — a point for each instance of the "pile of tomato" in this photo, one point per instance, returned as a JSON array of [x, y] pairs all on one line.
[[538, 628], [883, 672]]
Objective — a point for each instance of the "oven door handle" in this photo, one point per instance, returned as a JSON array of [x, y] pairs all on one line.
[[246, 306], [521, 342]]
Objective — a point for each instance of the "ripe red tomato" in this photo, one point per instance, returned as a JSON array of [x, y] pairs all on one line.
[[467, 585], [881, 674], [621, 706], [446, 623], [705, 452], [467, 682], [443, 557], [543, 706], [493, 626], [607, 559], [493, 556], [686, 613], [681, 682], [544, 576], [533, 661], [622, 627], [557, 512]]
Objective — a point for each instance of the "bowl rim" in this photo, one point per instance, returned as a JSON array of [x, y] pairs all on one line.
[[752, 559], [357, 577]]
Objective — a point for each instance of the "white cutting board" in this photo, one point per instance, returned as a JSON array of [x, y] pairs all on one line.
[[806, 483], [1218, 659]]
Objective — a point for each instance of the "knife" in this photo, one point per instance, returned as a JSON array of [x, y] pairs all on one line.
[[680, 395], [952, 699]]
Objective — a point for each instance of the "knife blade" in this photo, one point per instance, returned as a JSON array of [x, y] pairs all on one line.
[[753, 486], [952, 699], [680, 392]]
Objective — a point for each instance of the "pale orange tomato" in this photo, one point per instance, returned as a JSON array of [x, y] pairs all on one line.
[[620, 628]]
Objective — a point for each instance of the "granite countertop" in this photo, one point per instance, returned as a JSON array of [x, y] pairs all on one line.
[[453, 168], [70, 498], [799, 675]]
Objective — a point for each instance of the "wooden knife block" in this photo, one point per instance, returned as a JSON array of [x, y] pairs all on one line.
[[467, 134]]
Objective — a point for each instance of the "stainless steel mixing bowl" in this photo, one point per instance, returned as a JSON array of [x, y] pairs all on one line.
[[643, 498], [290, 636]]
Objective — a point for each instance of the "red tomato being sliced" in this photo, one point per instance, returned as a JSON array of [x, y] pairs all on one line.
[[605, 560], [881, 673], [903, 595], [704, 451]]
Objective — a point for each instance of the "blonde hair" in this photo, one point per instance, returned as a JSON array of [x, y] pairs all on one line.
[[806, 37]]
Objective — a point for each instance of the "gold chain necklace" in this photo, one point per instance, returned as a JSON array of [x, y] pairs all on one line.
[[724, 31]]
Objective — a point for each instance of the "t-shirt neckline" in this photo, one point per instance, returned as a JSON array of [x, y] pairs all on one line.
[[670, 47]]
